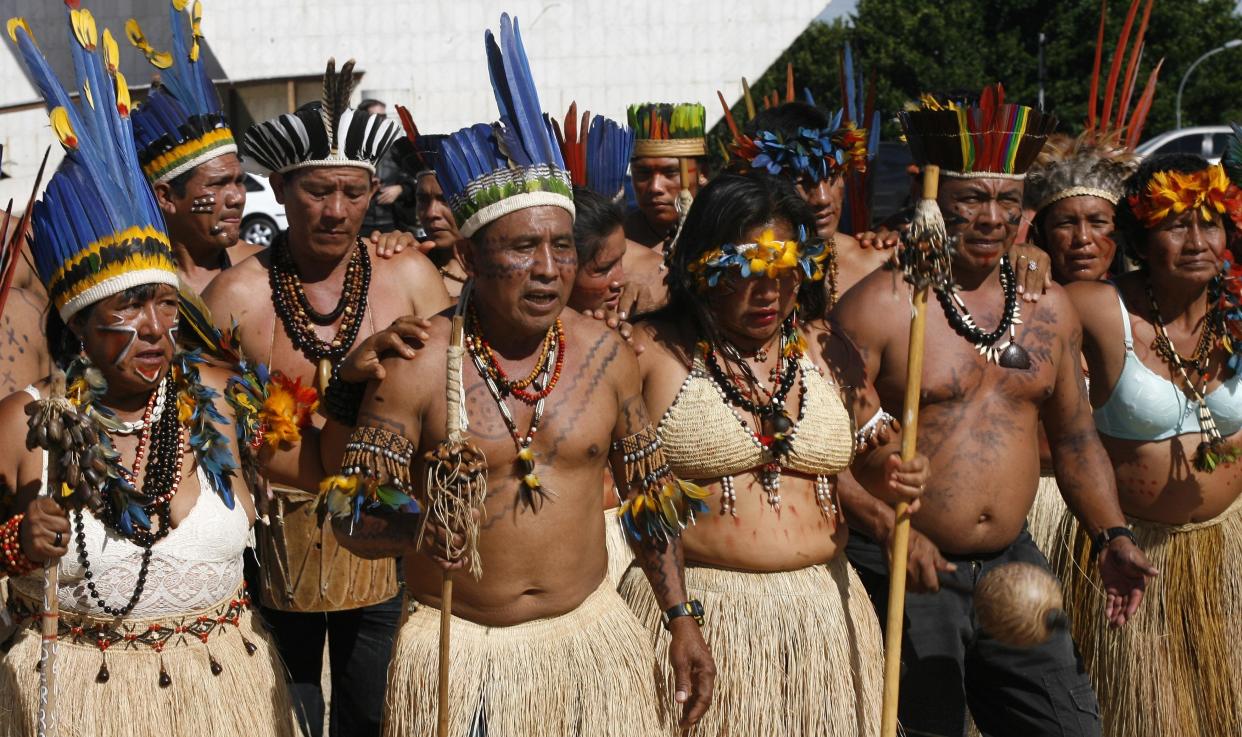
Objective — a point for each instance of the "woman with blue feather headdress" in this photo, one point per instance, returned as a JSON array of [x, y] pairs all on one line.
[[123, 539]]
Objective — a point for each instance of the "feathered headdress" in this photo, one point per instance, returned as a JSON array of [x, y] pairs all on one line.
[[596, 152], [181, 124], [419, 152], [993, 139], [97, 230], [668, 130], [842, 148], [1098, 161], [489, 171], [324, 133]]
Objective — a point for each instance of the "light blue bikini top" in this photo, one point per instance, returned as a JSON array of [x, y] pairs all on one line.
[[1146, 406]]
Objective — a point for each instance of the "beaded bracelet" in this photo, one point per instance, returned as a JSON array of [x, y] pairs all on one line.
[[866, 434], [342, 399], [15, 562]]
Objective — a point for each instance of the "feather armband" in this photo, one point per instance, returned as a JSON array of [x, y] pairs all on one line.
[[663, 505], [271, 408], [377, 471]]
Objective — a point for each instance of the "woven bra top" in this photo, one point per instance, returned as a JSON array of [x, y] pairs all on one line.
[[705, 438], [197, 565], [1146, 406]]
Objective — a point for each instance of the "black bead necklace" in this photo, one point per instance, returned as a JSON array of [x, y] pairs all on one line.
[[774, 409], [1010, 354], [297, 314], [159, 485]]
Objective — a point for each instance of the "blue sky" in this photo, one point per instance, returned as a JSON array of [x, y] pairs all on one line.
[[838, 7]]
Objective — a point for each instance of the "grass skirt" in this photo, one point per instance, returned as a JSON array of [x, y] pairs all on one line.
[[247, 696], [798, 653], [620, 556], [1174, 669], [588, 673]]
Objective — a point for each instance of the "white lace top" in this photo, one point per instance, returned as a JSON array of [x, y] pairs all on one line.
[[198, 564]]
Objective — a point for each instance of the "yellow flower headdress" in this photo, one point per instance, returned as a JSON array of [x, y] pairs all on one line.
[[1172, 192]]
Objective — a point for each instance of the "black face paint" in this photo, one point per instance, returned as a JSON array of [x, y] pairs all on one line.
[[952, 218], [1014, 219]]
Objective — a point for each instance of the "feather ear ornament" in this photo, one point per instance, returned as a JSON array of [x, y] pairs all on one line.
[[337, 87]]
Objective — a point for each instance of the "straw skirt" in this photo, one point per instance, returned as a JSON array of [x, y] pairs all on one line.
[[201, 674], [1175, 668], [798, 653], [587, 673]]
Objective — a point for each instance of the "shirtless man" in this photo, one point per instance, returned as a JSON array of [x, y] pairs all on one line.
[[543, 562], [979, 422], [436, 217], [327, 298]]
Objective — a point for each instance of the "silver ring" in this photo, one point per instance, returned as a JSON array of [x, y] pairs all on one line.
[[57, 541], [1031, 265]]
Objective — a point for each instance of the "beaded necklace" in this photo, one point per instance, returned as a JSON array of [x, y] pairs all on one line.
[[1212, 449], [545, 376], [165, 437], [780, 441], [1008, 355], [97, 477], [297, 314]]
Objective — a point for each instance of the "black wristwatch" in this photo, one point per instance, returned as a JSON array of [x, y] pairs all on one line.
[[1101, 541], [692, 608]]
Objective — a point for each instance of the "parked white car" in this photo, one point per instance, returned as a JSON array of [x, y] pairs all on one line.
[[263, 217], [1208, 141]]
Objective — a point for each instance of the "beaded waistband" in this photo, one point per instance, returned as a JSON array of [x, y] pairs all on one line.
[[155, 633]]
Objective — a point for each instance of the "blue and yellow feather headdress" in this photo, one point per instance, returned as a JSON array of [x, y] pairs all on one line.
[[97, 229], [489, 171], [181, 123]]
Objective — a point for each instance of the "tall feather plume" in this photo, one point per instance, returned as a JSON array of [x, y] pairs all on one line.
[[1095, 69], [17, 236], [337, 87], [1114, 70], [1142, 108], [1132, 69]]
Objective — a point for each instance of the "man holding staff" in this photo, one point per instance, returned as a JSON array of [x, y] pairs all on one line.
[[541, 644], [995, 373]]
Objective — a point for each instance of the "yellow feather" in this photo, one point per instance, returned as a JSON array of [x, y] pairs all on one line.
[[133, 32], [111, 53], [179, 5], [122, 95], [90, 99], [63, 129], [14, 24], [84, 28]]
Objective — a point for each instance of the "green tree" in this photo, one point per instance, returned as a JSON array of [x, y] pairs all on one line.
[[958, 46]]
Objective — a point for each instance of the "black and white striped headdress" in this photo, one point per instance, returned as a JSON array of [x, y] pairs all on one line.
[[324, 133]]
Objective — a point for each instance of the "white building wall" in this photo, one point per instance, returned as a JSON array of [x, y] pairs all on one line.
[[428, 54]]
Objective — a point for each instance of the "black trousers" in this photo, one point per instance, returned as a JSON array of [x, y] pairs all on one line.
[[359, 648], [949, 663]]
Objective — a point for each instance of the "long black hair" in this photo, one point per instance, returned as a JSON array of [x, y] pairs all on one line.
[[723, 211], [1128, 224]]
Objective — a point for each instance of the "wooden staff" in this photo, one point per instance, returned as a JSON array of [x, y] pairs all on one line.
[[456, 486], [453, 411], [925, 262]]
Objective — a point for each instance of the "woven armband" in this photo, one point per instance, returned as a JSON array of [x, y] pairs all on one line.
[[377, 471], [662, 505]]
